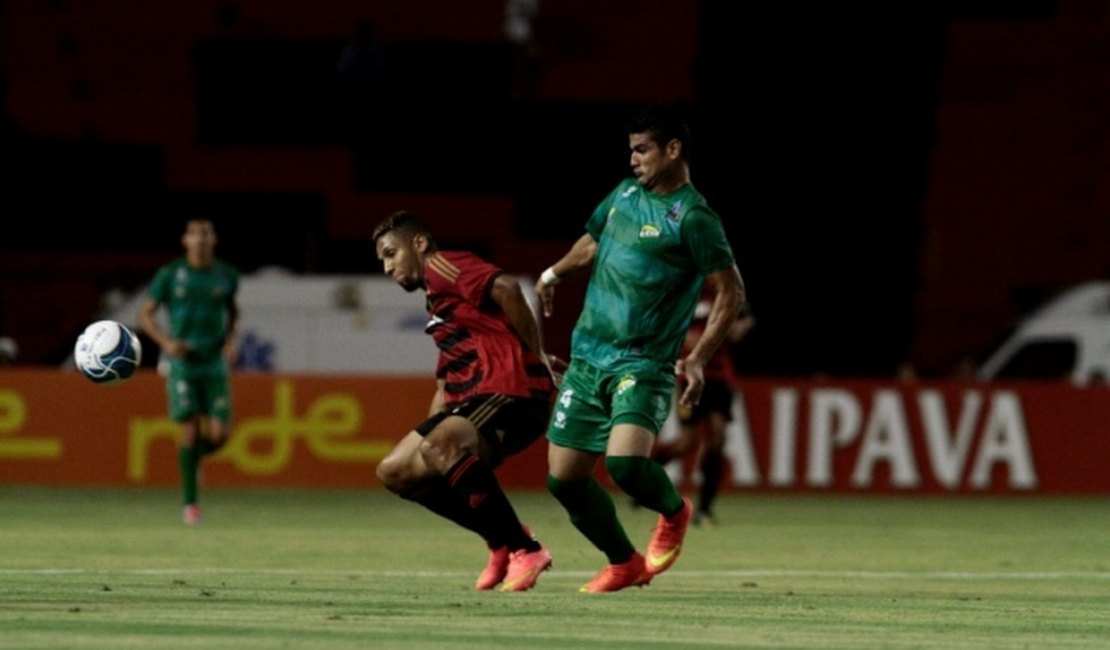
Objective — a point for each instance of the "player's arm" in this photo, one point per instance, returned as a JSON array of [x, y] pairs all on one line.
[[149, 324], [727, 303], [506, 292], [580, 256], [231, 340], [437, 398], [744, 323]]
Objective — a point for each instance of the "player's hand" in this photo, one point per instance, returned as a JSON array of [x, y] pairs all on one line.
[[546, 293], [177, 349], [231, 352], [693, 372], [556, 366]]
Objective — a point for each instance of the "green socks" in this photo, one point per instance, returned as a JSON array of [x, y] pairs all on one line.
[[645, 481], [188, 460], [592, 512]]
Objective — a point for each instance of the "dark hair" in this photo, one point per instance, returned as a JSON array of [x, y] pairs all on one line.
[[664, 123], [193, 218], [404, 223]]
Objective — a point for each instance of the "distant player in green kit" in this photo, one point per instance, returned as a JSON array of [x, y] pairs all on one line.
[[198, 292], [650, 246]]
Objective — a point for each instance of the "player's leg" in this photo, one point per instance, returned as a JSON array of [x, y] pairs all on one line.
[[577, 438], [208, 398], [571, 481], [507, 426], [403, 469], [466, 447], [689, 419], [711, 466], [717, 401], [627, 462], [664, 453], [213, 393], [456, 450], [447, 466], [639, 411], [689, 425], [183, 405], [188, 461], [647, 482], [215, 396], [404, 473]]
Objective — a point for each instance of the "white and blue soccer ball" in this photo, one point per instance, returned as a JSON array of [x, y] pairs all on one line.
[[107, 352]]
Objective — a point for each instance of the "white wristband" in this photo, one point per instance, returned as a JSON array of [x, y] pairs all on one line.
[[548, 277]]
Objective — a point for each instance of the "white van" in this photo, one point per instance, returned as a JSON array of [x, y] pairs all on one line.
[[1067, 338]]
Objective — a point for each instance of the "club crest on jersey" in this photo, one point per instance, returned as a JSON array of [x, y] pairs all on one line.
[[676, 209], [435, 322], [625, 384], [649, 232]]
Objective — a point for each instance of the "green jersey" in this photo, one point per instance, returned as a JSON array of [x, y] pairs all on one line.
[[653, 253], [198, 305]]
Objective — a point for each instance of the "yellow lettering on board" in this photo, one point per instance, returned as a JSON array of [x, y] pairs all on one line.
[[13, 415], [264, 445], [142, 432]]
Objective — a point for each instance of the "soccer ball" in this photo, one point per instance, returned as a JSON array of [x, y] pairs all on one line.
[[107, 352]]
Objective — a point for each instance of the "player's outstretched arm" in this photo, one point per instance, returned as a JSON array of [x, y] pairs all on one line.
[[580, 256]]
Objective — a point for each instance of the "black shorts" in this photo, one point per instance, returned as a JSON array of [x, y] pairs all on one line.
[[509, 424], [716, 397]]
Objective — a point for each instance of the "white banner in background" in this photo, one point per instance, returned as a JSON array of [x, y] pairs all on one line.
[[327, 324]]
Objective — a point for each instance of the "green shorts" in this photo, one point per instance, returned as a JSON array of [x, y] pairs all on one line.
[[591, 401], [193, 391]]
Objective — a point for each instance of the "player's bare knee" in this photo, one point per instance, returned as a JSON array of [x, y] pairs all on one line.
[[440, 452], [189, 436], [392, 475], [218, 436]]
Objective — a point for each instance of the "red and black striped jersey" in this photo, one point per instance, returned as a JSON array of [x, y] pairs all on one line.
[[479, 351], [720, 365]]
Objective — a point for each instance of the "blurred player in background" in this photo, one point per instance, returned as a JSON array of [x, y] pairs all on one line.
[[199, 294], [707, 420], [494, 391], [650, 245]]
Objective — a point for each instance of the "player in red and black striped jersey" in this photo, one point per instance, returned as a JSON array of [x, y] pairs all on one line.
[[495, 387], [480, 351], [708, 419]]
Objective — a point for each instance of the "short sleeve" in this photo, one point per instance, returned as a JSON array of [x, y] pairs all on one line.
[[600, 216], [473, 278], [705, 239]]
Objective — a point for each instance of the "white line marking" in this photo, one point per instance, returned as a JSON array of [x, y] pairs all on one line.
[[753, 573]]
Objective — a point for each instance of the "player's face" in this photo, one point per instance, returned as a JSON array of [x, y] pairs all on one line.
[[402, 259], [199, 239], [651, 164]]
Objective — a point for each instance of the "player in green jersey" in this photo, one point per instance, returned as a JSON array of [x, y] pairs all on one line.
[[198, 292], [650, 246]]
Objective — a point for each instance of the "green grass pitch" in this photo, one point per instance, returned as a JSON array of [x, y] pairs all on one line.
[[324, 570]]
